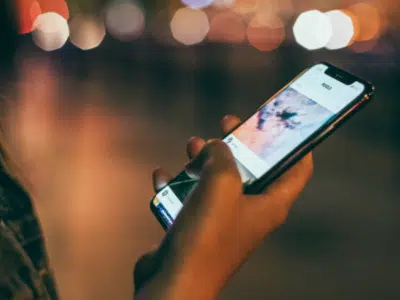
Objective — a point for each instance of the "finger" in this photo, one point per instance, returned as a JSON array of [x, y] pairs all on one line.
[[194, 146], [229, 123], [160, 179], [215, 158], [287, 188]]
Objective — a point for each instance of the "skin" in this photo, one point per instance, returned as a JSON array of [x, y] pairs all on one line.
[[218, 227]]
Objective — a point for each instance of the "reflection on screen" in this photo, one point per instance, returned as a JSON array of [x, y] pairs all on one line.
[[273, 132]]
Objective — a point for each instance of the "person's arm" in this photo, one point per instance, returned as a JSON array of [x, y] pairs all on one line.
[[218, 227]]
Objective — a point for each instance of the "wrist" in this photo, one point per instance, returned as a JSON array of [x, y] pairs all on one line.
[[185, 283]]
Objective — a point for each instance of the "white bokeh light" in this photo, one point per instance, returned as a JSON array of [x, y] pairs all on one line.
[[50, 31], [86, 32], [125, 21], [313, 30], [189, 26], [342, 30], [197, 4]]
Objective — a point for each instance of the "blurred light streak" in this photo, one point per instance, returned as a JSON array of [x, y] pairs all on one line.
[[28, 11], [265, 32], [342, 30], [197, 4], [312, 30], [368, 21], [125, 21], [227, 27], [189, 26], [51, 31], [86, 32]]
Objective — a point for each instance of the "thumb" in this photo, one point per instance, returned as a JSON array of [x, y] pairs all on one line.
[[215, 157], [214, 164]]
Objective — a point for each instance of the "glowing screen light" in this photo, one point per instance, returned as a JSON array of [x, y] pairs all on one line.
[[197, 4], [125, 21], [342, 30], [313, 30], [51, 31], [86, 32], [189, 26]]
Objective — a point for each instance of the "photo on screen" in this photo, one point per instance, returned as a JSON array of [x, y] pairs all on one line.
[[282, 124]]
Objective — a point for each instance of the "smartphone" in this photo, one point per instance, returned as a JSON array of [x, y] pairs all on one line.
[[282, 130]]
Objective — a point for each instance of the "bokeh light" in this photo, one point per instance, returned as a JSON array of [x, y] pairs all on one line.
[[223, 3], [125, 21], [368, 21], [245, 6], [197, 4], [58, 6], [282, 8], [342, 30], [227, 27], [189, 26], [313, 30], [86, 32], [51, 31], [266, 32], [28, 11]]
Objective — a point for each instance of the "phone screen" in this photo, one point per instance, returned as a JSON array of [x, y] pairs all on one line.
[[283, 123]]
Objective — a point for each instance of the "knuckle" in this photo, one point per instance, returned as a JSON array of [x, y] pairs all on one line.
[[215, 144]]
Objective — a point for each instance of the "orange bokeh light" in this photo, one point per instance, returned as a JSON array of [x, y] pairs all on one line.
[[266, 33], [245, 6], [28, 11], [58, 6], [227, 27], [367, 21]]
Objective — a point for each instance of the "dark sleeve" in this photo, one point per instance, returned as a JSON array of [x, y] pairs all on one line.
[[19, 279]]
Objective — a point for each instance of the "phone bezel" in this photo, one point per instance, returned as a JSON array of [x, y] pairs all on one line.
[[309, 144]]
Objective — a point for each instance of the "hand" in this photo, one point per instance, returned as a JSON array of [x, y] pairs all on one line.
[[219, 226]]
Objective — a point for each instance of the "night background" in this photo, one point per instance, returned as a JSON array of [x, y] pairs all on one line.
[[88, 119]]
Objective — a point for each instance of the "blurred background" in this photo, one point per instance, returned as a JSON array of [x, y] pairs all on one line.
[[99, 93]]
